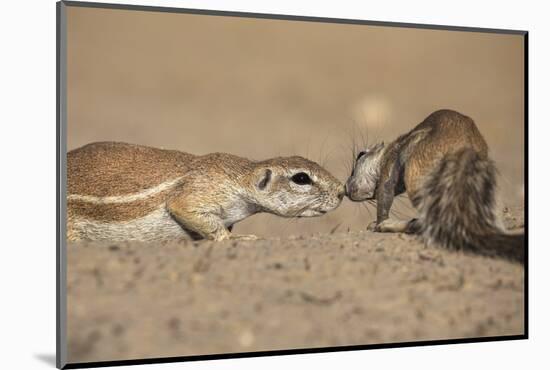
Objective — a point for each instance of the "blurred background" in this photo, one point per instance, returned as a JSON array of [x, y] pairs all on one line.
[[263, 88]]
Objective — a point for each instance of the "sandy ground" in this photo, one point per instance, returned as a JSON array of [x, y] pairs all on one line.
[[132, 300]]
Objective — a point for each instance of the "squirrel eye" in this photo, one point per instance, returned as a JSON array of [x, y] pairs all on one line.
[[360, 155], [301, 178]]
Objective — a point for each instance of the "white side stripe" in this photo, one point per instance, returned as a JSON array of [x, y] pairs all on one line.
[[126, 198], [155, 226]]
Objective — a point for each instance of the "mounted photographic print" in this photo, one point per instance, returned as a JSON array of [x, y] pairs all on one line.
[[235, 184]]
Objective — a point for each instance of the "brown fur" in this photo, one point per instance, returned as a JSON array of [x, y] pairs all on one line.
[[446, 132], [443, 166], [441, 133], [111, 168], [126, 191]]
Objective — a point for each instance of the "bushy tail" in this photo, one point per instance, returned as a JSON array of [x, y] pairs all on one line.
[[458, 209]]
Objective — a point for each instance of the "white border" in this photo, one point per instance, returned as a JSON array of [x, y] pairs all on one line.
[[28, 181]]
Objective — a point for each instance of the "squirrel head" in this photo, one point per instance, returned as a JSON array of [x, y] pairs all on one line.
[[362, 183], [295, 187]]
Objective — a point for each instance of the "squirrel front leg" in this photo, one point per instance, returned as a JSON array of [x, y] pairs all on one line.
[[384, 200], [385, 193], [202, 221]]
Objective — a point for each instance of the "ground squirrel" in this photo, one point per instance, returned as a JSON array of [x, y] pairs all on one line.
[[119, 191], [444, 167]]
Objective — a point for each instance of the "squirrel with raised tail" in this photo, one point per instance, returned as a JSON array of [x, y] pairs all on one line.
[[443, 166]]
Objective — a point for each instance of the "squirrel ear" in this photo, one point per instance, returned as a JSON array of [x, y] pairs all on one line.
[[265, 178]]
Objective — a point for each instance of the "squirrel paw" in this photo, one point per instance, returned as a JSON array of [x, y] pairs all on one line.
[[390, 226], [373, 226]]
